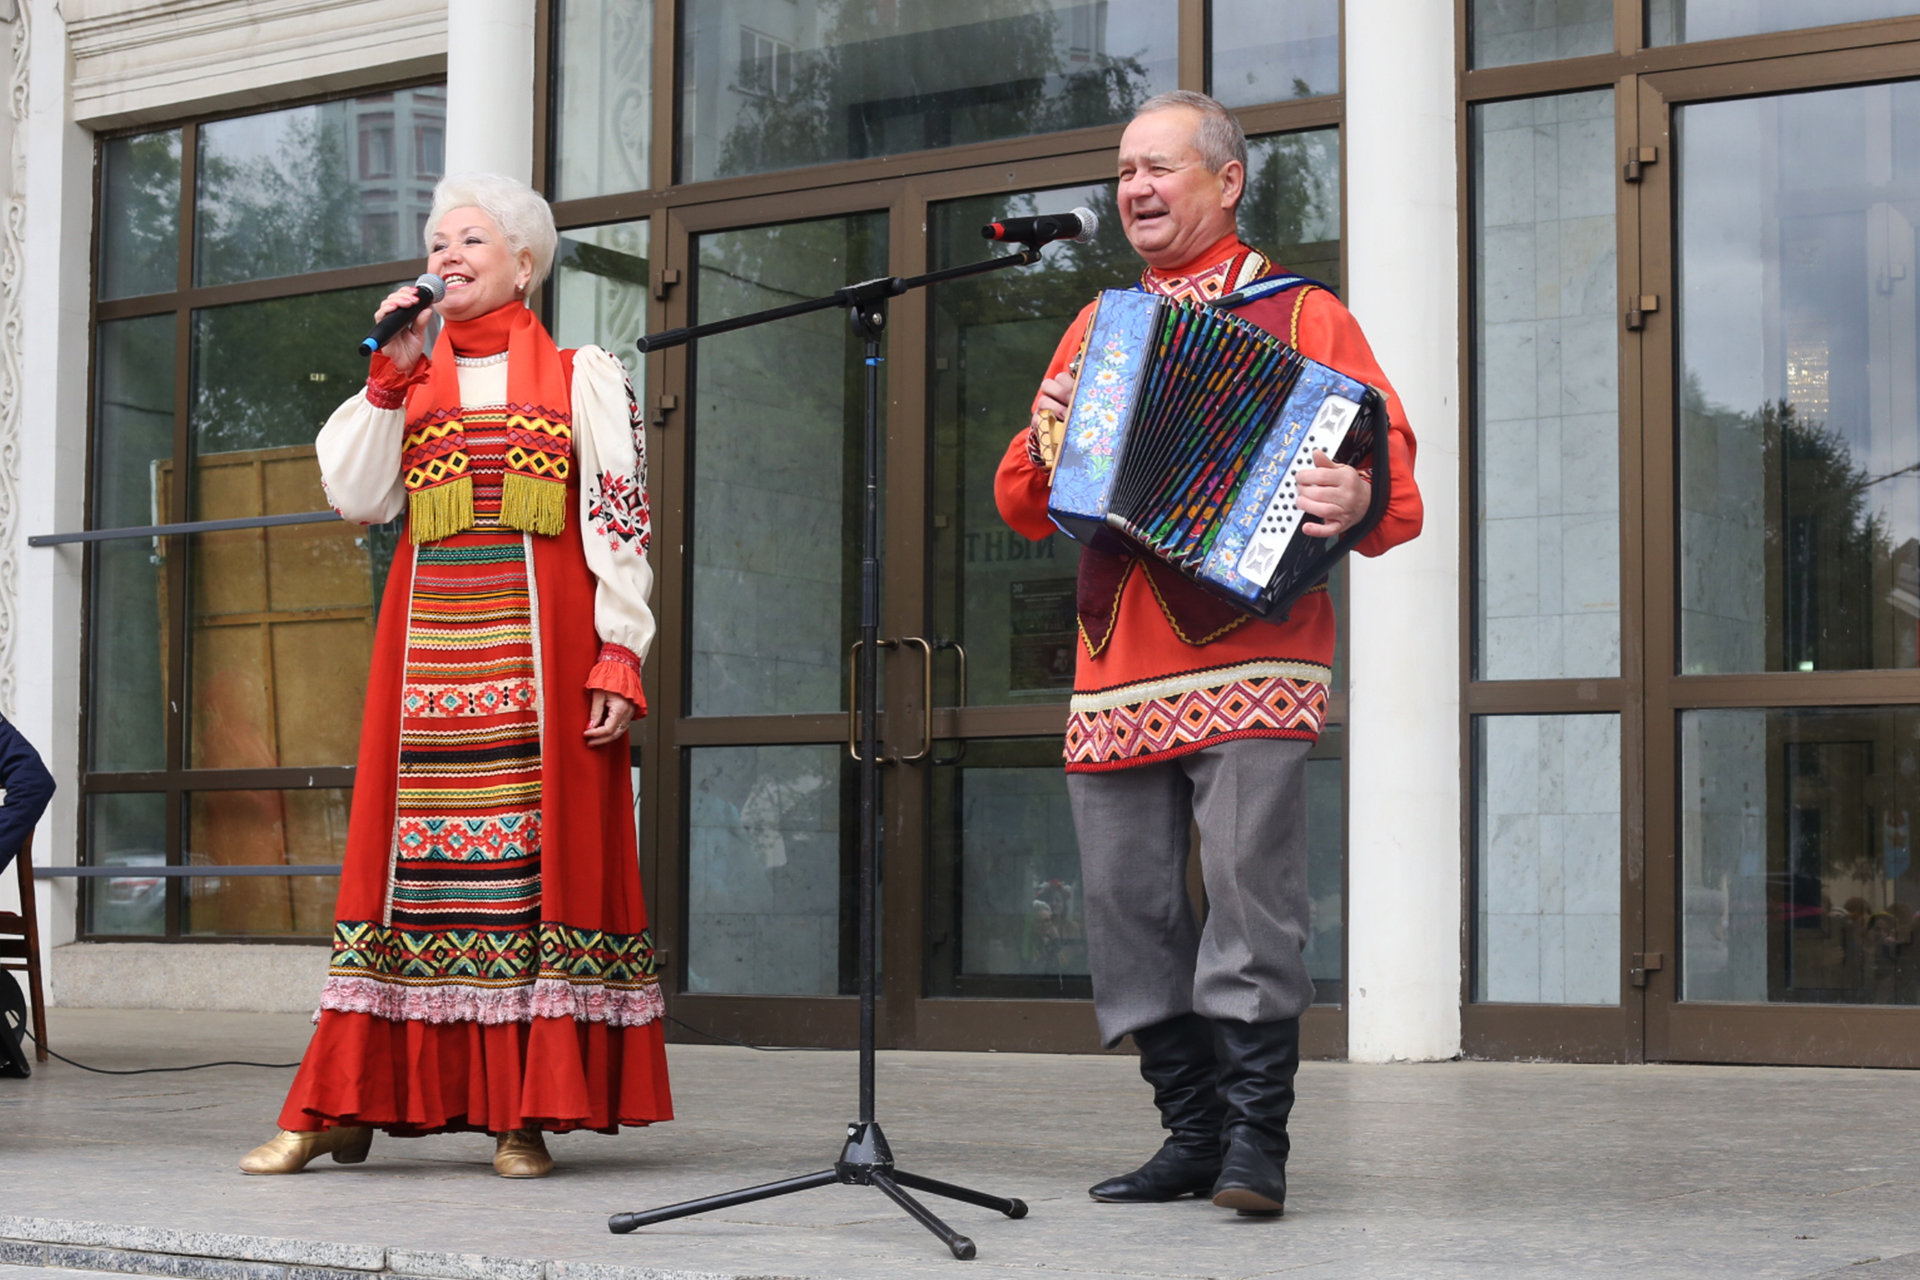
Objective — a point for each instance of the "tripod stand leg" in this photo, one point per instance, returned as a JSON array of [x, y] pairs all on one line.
[[621, 1223], [961, 1246], [1012, 1208]]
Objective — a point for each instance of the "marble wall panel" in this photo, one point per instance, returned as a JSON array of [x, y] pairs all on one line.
[[1548, 859], [1546, 424]]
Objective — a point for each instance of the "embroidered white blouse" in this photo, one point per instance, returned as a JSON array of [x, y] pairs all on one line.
[[360, 446]]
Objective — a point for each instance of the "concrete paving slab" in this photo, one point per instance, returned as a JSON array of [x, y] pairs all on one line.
[[1433, 1171]]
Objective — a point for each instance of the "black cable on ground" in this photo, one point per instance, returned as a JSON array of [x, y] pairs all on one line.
[[145, 1071], [742, 1044], [283, 1066]]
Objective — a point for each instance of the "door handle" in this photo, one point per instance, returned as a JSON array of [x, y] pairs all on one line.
[[1644, 963], [926, 698], [961, 701], [853, 700]]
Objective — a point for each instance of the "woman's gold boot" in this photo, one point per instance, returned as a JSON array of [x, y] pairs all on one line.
[[521, 1153], [290, 1152]]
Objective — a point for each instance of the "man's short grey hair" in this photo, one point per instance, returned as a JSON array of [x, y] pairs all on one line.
[[516, 208], [1220, 137]]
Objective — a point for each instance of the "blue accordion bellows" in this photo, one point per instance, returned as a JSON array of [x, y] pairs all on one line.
[[1188, 428]]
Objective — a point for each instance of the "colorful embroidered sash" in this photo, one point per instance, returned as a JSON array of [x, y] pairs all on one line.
[[435, 461]]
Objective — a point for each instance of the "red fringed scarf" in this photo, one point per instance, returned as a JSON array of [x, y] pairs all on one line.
[[533, 495]]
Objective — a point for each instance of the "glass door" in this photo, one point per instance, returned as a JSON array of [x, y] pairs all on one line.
[[1785, 757], [749, 788], [1003, 951]]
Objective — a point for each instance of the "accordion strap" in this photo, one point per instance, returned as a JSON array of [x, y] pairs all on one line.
[[1266, 289]]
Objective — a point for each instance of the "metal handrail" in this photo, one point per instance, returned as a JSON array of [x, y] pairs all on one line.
[[198, 872], [191, 526]]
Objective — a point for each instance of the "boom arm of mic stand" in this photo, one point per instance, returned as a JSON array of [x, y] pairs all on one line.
[[851, 295]]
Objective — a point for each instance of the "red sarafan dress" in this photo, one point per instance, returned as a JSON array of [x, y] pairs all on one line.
[[491, 966]]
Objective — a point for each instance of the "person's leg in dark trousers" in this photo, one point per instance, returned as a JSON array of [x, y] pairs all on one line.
[[1142, 940], [1250, 978]]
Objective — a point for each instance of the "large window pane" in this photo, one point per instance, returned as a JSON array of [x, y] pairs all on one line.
[[1008, 600], [132, 457], [336, 184], [778, 413], [1800, 391], [1506, 32], [140, 214], [282, 619], [1678, 21], [126, 831], [603, 97], [1546, 390], [1007, 908], [771, 871], [600, 277], [263, 828], [1798, 881], [768, 84], [1005, 900], [1266, 52], [1547, 859]]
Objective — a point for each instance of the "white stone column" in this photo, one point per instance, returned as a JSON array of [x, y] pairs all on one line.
[[490, 87], [53, 280], [1404, 751]]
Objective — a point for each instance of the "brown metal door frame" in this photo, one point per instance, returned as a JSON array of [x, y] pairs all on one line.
[[1578, 1033], [1785, 1034]]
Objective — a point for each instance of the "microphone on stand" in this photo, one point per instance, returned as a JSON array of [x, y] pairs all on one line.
[[1078, 226], [430, 288]]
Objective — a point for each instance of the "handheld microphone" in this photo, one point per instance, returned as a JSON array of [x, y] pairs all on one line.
[[1078, 226], [431, 289]]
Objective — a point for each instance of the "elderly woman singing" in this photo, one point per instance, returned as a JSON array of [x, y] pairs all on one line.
[[491, 970]]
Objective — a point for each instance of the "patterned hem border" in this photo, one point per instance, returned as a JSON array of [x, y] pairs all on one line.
[[1186, 749], [448, 1002], [1199, 680]]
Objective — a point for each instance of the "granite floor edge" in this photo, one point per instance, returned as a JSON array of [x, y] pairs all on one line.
[[75, 1245]]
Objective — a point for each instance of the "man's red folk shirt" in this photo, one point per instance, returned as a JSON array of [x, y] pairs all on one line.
[[1147, 694]]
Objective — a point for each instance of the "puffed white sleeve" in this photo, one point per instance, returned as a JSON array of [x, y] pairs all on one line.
[[615, 525], [359, 450]]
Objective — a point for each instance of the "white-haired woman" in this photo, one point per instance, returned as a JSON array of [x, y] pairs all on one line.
[[491, 970]]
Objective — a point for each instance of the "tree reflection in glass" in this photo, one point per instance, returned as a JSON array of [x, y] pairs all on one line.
[[140, 214], [771, 84], [336, 184], [1799, 408]]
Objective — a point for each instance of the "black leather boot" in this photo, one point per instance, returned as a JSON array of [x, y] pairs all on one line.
[[1258, 1061], [1177, 1059]]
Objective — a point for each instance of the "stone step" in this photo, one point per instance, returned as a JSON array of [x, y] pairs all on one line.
[[39, 1248]]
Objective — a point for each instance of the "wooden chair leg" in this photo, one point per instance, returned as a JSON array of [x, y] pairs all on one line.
[[30, 913]]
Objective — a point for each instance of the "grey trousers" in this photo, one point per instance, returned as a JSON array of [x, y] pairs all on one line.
[[1151, 959]]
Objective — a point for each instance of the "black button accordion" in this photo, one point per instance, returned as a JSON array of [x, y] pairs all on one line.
[[1188, 428]]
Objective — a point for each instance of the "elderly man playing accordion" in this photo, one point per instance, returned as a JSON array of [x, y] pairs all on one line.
[[1187, 711]]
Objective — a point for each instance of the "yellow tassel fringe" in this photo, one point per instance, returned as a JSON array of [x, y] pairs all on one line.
[[442, 511], [537, 506]]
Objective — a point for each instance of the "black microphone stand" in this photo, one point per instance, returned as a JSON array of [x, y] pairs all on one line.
[[865, 1159]]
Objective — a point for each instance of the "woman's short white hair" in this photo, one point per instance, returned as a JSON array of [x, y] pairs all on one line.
[[516, 208]]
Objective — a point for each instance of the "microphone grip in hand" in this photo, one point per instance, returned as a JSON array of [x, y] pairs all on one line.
[[384, 331]]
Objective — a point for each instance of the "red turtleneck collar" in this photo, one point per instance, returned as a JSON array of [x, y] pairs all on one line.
[[484, 335]]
